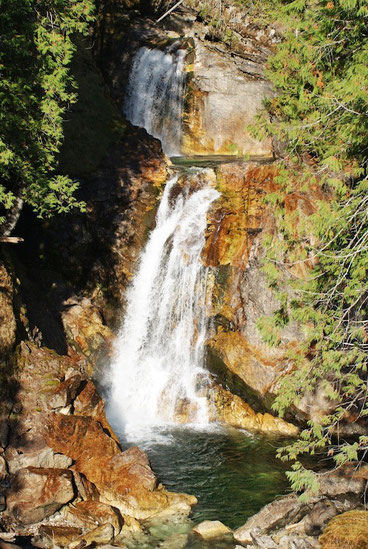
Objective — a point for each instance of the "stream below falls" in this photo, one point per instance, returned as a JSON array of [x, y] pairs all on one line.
[[231, 472]]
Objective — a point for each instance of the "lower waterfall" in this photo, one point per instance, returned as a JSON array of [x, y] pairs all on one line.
[[154, 95], [160, 348]]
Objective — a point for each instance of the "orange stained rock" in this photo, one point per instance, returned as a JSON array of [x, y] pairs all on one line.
[[240, 214], [124, 479]]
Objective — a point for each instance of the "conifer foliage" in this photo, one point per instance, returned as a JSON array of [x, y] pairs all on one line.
[[320, 115], [36, 47]]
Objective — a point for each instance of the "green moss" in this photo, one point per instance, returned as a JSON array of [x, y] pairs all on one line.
[[346, 531]]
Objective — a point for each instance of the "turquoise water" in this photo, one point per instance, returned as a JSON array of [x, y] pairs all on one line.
[[232, 473]]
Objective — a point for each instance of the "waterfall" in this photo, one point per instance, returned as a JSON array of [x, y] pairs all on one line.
[[154, 95], [160, 348]]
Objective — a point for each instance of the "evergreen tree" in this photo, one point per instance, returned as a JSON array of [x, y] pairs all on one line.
[[320, 115], [36, 47]]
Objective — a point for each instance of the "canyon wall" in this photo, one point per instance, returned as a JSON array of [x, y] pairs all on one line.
[[63, 474]]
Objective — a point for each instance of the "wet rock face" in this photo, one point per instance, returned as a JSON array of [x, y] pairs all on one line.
[[230, 409], [238, 222], [224, 91], [221, 102]]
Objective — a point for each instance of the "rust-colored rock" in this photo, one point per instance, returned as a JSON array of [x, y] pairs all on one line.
[[230, 409], [239, 215], [37, 493], [92, 513], [238, 223], [89, 404], [123, 479]]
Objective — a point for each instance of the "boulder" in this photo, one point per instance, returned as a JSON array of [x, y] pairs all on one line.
[[348, 479], [100, 535], [61, 536], [232, 410], [275, 515], [209, 529], [65, 393], [349, 530], [321, 513], [37, 456], [123, 479], [90, 513], [290, 522], [37, 493]]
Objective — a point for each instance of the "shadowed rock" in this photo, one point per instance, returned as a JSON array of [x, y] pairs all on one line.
[[37, 493]]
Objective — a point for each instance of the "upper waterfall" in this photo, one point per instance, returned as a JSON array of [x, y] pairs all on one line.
[[154, 95], [161, 344]]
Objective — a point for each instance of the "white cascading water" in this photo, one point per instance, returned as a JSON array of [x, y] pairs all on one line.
[[161, 344], [154, 95]]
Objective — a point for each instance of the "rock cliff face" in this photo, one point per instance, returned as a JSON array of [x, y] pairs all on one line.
[[238, 223], [221, 102]]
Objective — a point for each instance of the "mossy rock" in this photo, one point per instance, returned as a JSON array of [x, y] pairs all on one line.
[[346, 531]]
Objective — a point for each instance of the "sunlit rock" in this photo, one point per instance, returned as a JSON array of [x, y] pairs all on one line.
[[210, 529], [90, 513], [347, 530], [50, 535], [221, 102], [123, 479], [224, 407], [98, 536]]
